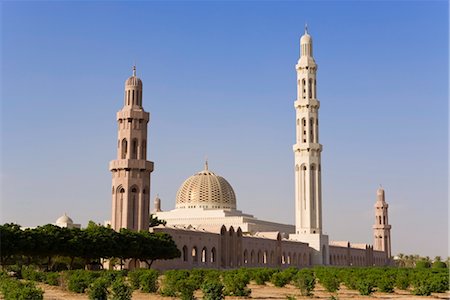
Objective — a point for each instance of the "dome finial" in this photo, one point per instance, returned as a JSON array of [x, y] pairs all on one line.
[[206, 164], [134, 70], [306, 28]]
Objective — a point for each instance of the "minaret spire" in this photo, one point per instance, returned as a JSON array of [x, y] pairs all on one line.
[[307, 154], [131, 170], [381, 228]]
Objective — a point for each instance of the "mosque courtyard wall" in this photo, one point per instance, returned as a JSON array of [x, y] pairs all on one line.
[[227, 248]]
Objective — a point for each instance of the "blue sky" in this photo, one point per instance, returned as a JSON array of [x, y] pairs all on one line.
[[219, 81]]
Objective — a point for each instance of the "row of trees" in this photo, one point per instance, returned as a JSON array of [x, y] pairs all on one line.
[[414, 260], [91, 244]]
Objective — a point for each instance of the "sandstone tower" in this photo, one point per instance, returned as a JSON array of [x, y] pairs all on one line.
[[131, 170], [307, 152], [381, 228]]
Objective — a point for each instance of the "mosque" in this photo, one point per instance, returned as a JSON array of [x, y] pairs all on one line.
[[206, 225]]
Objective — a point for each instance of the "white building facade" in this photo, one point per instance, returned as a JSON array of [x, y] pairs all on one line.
[[206, 225]]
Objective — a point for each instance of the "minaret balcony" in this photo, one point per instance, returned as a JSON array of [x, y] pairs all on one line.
[[306, 146], [308, 103], [127, 113], [139, 164]]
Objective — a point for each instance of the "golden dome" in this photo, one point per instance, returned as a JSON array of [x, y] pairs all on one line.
[[206, 190]]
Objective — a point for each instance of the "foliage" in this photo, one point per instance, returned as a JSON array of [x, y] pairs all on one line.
[[52, 278], [98, 290], [169, 282], [279, 279], [305, 281], [148, 281], [262, 275], [365, 285], [120, 290], [13, 289], [439, 265], [386, 284], [49, 242], [423, 264], [154, 221], [235, 283], [212, 290], [186, 288], [79, 280], [402, 280], [328, 278]]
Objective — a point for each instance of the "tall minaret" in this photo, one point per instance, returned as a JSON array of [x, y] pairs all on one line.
[[381, 228], [131, 170], [307, 151]]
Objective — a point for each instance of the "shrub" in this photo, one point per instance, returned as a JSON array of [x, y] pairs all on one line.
[[98, 290], [79, 280], [235, 283], [13, 289], [30, 273], [439, 282], [439, 265], [386, 284], [421, 285], [328, 279], [52, 278], [148, 281], [186, 288], [260, 276], [134, 278], [120, 290], [423, 264], [169, 283], [305, 281], [212, 290], [402, 280], [280, 279], [365, 285]]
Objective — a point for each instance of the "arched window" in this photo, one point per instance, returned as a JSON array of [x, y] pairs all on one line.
[[134, 207], [289, 258], [144, 149], [265, 257], [313, 186], [252, 257], [304, 186], [134, 149], [304, 88], [185, 253], [213, 255], [272, 257], [259, 256], [283, 258], [384, 220], [315, 90], [311, 130], [119, 205], [310, 88], [194, 254], [245, 256], [304, 130], [124, 148], [204, 255]]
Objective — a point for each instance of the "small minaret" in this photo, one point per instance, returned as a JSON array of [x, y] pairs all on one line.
[[381, 228], [157, 204], [307, 154], [131, 170]]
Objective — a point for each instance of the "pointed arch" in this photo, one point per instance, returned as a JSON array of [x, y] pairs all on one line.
[[124, 149], [185, 253], [204, 257]]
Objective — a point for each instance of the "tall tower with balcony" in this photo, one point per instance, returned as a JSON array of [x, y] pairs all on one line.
[[381, 228], [131, 170], [307, 153]]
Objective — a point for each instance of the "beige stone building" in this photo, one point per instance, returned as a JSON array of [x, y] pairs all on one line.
[[206, 224]]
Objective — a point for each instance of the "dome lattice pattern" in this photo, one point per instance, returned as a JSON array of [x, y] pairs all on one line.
[[206, 190]]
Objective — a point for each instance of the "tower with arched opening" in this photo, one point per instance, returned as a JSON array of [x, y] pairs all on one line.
[[131, 170]]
